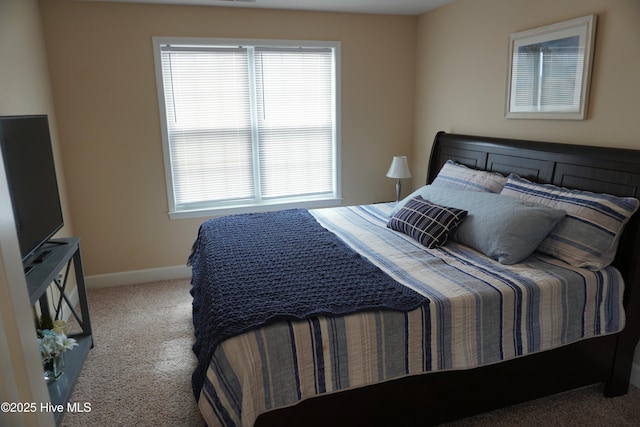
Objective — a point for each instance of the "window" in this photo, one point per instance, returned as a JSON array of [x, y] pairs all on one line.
[[248, 125]]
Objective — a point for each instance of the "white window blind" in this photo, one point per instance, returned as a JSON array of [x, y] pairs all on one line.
[[546, 76], [248, 125]]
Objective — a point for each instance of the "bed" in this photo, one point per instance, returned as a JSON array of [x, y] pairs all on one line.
[[440, 333]]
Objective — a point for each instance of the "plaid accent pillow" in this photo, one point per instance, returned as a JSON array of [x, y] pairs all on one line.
[[426, 222], [588, 236]]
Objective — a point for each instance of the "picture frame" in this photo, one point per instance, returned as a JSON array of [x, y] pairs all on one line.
[[549, 71]]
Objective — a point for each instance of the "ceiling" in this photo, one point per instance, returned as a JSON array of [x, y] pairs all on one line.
[[393, 7]]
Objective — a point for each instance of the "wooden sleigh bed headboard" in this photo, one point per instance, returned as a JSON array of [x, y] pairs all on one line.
[[442, 396]]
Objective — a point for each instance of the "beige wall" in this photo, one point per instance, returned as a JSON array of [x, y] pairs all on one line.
[[462, 56], [24, 89], [101, 62], [462, 70]]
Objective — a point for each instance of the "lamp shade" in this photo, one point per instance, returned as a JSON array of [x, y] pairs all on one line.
[[399, 168]]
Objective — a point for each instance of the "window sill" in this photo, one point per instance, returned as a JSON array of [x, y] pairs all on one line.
[[230, 210]]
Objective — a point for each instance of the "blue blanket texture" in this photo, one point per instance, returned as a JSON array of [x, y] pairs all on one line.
[[253, 269]]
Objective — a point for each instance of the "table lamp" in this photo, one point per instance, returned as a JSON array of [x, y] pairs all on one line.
[[399, 169]]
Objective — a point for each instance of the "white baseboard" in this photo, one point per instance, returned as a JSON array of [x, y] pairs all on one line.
[[138, 276], [75, 300]]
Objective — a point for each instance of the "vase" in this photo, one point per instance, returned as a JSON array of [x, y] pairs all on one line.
[[53, 367]]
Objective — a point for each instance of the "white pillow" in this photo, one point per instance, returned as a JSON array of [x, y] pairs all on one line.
[[458, 176]]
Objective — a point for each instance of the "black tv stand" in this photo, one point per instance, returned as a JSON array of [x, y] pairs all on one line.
[[62, 255]]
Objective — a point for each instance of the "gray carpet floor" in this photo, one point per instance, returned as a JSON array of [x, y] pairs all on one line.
[[139, 371]]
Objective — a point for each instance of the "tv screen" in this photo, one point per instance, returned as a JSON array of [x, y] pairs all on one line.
[[28, 159]]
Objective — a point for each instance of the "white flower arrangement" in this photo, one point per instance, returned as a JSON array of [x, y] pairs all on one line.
[[53, 342]]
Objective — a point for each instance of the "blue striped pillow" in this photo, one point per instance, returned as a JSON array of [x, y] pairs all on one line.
[[426, 222], [455, 175], [588, 236]]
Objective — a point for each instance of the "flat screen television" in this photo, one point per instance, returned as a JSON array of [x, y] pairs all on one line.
[[25, 142]]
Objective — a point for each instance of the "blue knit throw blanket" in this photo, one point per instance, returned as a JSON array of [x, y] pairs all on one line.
[[253, 269]]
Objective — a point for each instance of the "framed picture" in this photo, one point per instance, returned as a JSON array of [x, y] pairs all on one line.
[[550, 70]]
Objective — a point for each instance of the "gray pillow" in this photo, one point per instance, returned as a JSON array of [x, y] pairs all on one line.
[[502, 227]]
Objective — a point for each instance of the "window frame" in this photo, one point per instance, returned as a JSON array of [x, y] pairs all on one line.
[[263, 205]]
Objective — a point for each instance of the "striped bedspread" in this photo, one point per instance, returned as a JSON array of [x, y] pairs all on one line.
[[481, 312]]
